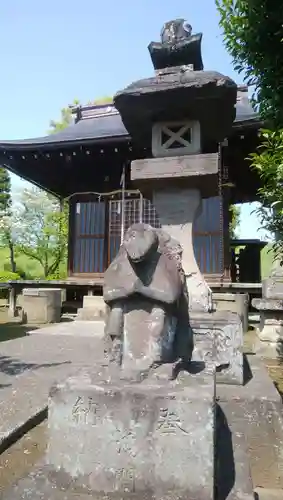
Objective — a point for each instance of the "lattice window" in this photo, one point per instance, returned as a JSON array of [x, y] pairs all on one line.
[[149, 214], [92, 251], [172, 138]]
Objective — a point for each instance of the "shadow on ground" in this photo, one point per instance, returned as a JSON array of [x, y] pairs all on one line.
[[11, 331], [13, 366]]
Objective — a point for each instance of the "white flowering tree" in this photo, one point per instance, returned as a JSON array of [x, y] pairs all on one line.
[[38, 224]]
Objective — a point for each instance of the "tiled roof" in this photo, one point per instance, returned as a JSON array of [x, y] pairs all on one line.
[[104, 122]]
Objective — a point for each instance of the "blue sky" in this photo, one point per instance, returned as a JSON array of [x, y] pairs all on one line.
[[55, 51]]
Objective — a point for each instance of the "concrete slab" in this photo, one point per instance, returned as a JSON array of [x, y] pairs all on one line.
[[38, 486], [255, 411], [76, 328], [268, 494], [28, 367], [233, 472]]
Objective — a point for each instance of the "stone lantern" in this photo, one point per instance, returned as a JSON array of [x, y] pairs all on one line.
[[183, 113]]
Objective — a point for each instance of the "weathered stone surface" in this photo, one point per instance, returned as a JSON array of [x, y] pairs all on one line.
[[206, 96], [233, 302], [271, 323], [175, 139], [177, 209], [185, 166], [268, 494], [93, 308], [178, 46], [271, 326], [255, 411], [153, 436], [272, 288], [42, 305], [147, 320], [264, 304], [158, 279], [77, 328], [218, 338], [233, 473]]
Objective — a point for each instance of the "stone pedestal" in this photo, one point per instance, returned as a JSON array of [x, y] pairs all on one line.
[[270, 329], [254, 413], [233, 302], [272, 287], [270, 307], [42, 305], [218, 338], [177, 209], [94, 308], [155, 437]]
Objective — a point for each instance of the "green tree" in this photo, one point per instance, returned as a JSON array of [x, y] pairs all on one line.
[[61, 219], [253, 36], [234, 220], [66, 115], [66, 118], [268, 162], [40, 224], [5, 211]]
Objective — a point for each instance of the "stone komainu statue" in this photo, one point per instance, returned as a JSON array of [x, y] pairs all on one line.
[[147, 322]]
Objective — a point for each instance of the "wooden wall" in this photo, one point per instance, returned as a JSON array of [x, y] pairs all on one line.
[[96, 229]]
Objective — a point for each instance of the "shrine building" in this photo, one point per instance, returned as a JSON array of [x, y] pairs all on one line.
[[88, 164]]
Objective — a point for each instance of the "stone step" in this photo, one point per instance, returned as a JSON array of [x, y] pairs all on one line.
[[88, 314], [77, 328], [268, 494], [93, 308], [255, 411]]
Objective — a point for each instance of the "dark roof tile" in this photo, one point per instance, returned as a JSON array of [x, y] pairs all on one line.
[[106, 126]]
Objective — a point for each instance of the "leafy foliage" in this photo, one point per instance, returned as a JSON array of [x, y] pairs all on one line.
[[268, 162], [5, 190], [21, 272], [36, 225], [253, 36], [66, 117], [40, 228], [5, 210], [8, 276], [234, 220]]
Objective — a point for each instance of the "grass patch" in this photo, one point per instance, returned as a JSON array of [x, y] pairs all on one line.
[[30, 266], [267, 257]]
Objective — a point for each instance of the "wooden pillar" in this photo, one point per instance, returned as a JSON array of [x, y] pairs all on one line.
[[12, 302], [225, 193], [226, 236]]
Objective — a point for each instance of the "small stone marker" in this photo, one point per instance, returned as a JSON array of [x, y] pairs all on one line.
[[120, 437]]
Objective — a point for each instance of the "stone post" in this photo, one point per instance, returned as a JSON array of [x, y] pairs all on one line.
[[180, 116], [176, 185], [177, 209], [270, 307]]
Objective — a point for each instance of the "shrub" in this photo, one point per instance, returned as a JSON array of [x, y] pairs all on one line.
[[57, 276], [4, 277], [8, 276], [19, 270]]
